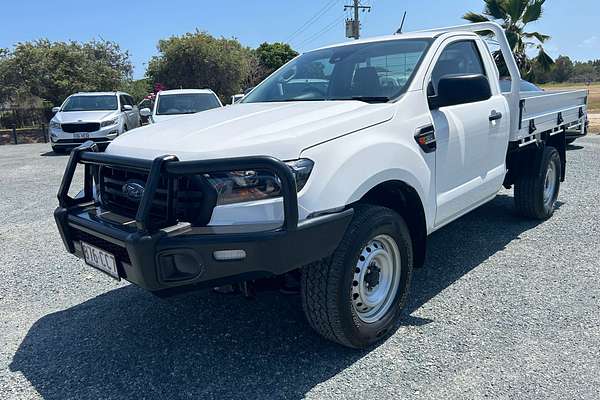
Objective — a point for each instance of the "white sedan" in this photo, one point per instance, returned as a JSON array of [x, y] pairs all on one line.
[[172, 103]]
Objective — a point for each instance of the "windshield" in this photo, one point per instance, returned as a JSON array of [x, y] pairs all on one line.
[[374, 72], [185, 103], [90, 103]]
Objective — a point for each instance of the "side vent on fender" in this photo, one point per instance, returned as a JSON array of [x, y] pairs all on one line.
[[425, 138]]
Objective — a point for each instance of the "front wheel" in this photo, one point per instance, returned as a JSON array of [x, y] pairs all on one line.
[[536, 190], [355, 297]]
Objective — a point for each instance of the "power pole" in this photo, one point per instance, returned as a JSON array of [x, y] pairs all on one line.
[[353, 25]]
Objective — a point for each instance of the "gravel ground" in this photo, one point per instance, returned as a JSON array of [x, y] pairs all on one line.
[[505, 308]]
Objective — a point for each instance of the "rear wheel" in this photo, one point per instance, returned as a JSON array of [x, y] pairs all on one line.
[[355, 297], [536, 190]]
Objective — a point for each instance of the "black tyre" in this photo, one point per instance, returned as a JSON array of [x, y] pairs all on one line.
[[355, 297], [536, 190]]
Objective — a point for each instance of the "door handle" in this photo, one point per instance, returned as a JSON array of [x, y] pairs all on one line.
[[495, 116]]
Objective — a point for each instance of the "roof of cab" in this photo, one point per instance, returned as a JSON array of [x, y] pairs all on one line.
[[398, 36]]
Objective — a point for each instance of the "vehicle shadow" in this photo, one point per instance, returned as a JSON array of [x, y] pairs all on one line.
[[464, 244], [574, 147], [128, 344], [54, 154]]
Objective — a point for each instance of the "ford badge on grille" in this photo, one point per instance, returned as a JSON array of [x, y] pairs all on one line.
[[134, 189]]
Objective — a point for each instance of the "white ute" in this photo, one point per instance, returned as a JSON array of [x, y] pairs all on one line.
[[174, 103], [339, 164]]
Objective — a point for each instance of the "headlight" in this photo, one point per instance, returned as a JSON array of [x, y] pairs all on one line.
[[301, 169], [110, 122], [241, 186], [54, 125]]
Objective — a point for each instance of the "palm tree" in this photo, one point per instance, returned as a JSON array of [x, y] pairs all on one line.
[[514, 15]]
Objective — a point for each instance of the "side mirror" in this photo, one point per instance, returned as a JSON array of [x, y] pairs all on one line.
[[55, 110], [236, 98], [127, 107], [145, 112], [248, 90], [460, 89]]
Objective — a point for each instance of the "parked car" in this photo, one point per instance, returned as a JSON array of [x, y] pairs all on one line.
[[571, 134], [95, 116], [145, 103], [173, 103], [343, 180]]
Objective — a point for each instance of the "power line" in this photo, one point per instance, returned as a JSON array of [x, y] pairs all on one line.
[[313, 19], [324, 30]]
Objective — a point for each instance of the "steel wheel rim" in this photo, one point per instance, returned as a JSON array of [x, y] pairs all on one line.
[[376, 278], [549, 185]]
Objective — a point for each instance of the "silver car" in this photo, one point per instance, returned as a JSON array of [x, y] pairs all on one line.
[[96, 116]]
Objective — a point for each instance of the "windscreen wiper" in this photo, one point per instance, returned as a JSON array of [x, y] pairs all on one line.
[[366, 99]]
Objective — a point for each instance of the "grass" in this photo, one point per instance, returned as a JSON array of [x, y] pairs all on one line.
[[593, 100]]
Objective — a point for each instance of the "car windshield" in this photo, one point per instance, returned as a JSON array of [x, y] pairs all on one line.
[[90, 103], [372, 72], [185, 103]]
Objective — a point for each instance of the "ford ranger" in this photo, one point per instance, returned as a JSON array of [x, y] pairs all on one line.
[[339, 164]]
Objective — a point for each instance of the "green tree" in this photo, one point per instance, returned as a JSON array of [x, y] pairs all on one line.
[[54, 70], [5, 87], [264, 60], [137, 88], [199, 60], [274, 55], [257, 72], [562, 69], [584, 72], [514, 16]]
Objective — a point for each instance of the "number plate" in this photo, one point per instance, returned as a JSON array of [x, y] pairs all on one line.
[[84, 135], [100, 259]]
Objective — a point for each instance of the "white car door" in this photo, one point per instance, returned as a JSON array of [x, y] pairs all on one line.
[[129, 114], [471, 138]]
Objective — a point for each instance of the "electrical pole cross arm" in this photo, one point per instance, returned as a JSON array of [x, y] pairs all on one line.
[[353, 25]]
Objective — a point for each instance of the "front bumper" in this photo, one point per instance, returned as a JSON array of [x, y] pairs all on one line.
[[182, 256], [72, 143], [103, 136]]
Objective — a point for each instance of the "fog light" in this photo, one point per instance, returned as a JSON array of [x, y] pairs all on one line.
[[227, 255], [179, 265]]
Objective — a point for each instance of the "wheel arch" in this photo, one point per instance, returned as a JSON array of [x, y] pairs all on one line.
[[405, 200]]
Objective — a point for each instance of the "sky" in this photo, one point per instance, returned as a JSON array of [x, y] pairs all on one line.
[[137, 26]]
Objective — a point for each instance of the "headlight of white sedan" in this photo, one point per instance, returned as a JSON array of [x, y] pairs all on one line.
[[54, 125], [110, 122], [241, 186]]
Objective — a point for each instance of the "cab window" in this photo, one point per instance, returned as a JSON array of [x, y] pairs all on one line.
[[459, 58]]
